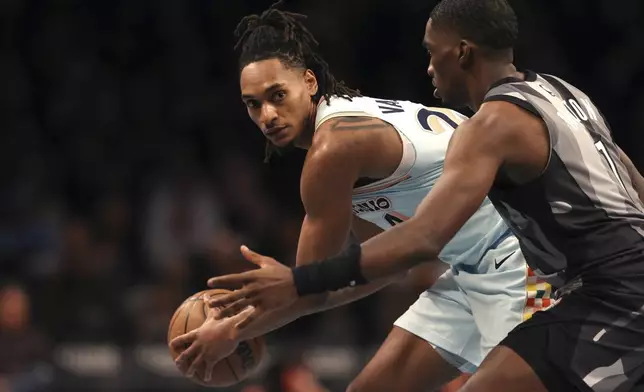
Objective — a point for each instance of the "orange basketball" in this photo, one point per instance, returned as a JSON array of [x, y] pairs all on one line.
[[231, 370]]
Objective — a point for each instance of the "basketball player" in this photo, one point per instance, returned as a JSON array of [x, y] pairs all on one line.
[[544, 154], [293, 98]]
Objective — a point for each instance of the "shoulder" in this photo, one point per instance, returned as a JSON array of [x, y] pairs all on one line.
[[331, 168], [502, 120], [495, 131], [341, 150], [339, 139], [333, 151], [505, 133], [339, 106]]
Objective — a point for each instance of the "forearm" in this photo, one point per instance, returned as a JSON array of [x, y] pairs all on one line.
[[396, 250], [271, 321], [309, 305], [350, 294]]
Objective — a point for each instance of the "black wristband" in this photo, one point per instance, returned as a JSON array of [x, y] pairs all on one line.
[[330, 274]]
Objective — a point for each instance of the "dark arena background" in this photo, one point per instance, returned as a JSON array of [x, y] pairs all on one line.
[[131, 172]]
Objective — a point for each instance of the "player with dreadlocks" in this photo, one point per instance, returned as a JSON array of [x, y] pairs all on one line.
[[279, 35], [399, 146]]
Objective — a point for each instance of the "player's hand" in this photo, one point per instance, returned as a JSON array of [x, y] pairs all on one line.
[[213, 341], [265, 289]]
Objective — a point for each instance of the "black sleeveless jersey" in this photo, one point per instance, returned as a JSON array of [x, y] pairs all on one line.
[[582, 215]]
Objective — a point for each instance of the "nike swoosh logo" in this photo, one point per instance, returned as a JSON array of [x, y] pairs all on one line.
[[497, 264]]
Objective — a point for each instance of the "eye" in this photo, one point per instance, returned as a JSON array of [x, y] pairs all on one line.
[[252, 104], [279, 95]]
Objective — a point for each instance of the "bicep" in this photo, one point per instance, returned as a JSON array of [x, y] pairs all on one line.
[[326, 189]]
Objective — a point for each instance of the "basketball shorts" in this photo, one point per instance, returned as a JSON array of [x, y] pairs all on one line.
[[592, 340], [470, 309]]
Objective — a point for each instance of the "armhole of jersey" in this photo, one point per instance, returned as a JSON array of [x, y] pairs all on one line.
[[399, 175], [516, 101], [402, 170], [527, 106]]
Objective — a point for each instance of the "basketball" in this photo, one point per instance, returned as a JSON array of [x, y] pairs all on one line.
[[231, 370]]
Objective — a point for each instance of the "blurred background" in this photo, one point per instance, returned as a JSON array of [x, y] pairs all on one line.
[[131, 172]]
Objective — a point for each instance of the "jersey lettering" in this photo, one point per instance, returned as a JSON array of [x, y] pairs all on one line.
[[377, 204], [571, 120], [576, 110], [589, 109], [425, 117], [580, 116], [388, 107]]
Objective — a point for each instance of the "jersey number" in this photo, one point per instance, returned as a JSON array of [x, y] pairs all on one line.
[[601, 149], [395, 218], [575, 109], [425, 115]]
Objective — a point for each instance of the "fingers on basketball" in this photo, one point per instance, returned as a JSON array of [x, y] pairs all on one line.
[[247, 295], [248, 316], [181, 343], [229, 371]]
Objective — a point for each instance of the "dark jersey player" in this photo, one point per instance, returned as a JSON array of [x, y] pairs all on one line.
[[544, 154]]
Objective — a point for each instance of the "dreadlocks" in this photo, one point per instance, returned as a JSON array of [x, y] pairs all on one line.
[[281, 34]]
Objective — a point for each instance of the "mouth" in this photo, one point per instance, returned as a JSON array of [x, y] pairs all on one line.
[[274, 130], [436, 94]]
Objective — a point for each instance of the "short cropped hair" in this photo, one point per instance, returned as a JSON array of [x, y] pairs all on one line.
[[488, 23]]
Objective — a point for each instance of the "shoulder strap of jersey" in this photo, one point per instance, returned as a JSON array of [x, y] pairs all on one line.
[[509, 93], [338, 107]]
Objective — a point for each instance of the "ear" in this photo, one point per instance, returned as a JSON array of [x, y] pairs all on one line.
[[311, 82], [465, 54]]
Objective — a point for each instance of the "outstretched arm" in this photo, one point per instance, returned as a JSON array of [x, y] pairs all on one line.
[[330, 171], [500, 133], [326, 188], [471, 165], [494, 137]]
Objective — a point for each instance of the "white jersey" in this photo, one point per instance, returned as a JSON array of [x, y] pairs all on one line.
[[425, 133]]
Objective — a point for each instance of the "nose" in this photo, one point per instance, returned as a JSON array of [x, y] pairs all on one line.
[[430, 70], [268, 115]]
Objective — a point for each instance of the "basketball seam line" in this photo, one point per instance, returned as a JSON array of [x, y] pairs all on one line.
[[185, 327], [174, 318], [232, 370]]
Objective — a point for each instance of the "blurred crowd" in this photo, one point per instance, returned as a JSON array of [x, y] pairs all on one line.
[[131, 173]]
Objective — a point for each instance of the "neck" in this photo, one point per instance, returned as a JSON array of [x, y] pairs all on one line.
[[305, 139], [484, 76]]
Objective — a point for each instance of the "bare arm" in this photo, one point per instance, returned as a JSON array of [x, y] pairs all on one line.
[[633, 173], [500, 134], [477, 150], [326, 188], [363, 231]]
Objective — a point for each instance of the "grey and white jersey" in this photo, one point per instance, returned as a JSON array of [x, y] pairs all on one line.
[[582, 214]]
